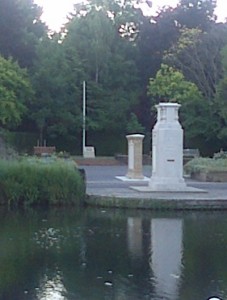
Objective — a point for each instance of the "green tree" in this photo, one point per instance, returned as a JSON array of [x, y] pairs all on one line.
[[196, 13], [224, 59], [221, 100], [20, 30], [57, 81], [92, 35], [196, 113], [134, 125], [170, 85], [158, 34], [197, 55], [15, 93], [107, 60]]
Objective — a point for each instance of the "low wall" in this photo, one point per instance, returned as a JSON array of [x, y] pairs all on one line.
[[123, 159], [210, 176], [39, 150]]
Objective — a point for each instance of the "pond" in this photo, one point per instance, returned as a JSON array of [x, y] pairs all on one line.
[[112, 254]]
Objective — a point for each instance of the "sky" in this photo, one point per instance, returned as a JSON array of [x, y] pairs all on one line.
[[55, 11]]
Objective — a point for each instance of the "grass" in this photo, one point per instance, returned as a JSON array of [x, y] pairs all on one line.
[[33, 181]]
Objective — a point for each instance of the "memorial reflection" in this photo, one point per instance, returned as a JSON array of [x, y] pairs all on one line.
[[166, 257], [113, 254], [135, 239], [166, 250]]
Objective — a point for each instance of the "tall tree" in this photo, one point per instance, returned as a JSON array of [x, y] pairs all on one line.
[[106, 57], [57, 81], [197, 55], [160, 33], [93, 36], [221, 100], [196, 13], [197, 116], [15, 93], [20, 30]]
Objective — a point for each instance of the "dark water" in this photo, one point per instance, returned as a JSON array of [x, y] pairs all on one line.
[[112, 254]]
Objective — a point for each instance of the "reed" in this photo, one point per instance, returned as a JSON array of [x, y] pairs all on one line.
[[32, 181]]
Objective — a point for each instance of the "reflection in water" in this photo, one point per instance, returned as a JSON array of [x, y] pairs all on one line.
[[51, 288], [91, 255], [134, 226], [166, 249], [166, 245], [48, 237]]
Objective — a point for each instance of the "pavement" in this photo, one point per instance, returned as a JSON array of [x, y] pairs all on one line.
[[105, 190]]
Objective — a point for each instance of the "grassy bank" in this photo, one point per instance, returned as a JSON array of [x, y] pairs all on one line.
[[33, 181]]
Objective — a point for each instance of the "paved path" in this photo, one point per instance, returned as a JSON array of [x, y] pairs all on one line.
[[104, 189]]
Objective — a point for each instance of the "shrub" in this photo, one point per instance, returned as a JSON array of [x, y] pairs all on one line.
[[205, 164], [220, 155], [33, 181]]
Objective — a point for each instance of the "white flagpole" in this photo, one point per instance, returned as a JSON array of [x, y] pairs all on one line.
[[84, 115]]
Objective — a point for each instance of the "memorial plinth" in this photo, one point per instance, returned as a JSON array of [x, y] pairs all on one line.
[[135, 156], [89, 152], [167, 150], [167, 153]]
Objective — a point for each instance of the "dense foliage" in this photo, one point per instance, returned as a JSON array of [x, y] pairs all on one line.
[[204, 164], [129, 62], [20, 30], [15, 92], [40, 182]]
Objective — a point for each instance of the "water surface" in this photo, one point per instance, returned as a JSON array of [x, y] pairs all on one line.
[[112, 254]]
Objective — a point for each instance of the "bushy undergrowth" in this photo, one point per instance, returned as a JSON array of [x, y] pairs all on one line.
[[33, 181], [205, 164], [220, 155]]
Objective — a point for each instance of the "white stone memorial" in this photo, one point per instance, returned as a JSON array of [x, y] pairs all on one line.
[[167, 150], [89, 152], [167, 153]]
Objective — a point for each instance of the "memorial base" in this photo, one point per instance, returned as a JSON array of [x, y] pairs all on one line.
[[167, 183], [167, 189], [147, 189], [126, 179], [134, 175]]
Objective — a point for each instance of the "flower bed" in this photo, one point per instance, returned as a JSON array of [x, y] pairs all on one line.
[[207, 169]]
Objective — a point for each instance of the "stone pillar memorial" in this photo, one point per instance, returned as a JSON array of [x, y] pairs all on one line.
[[167, 153], [167, 150], [135, 156]]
